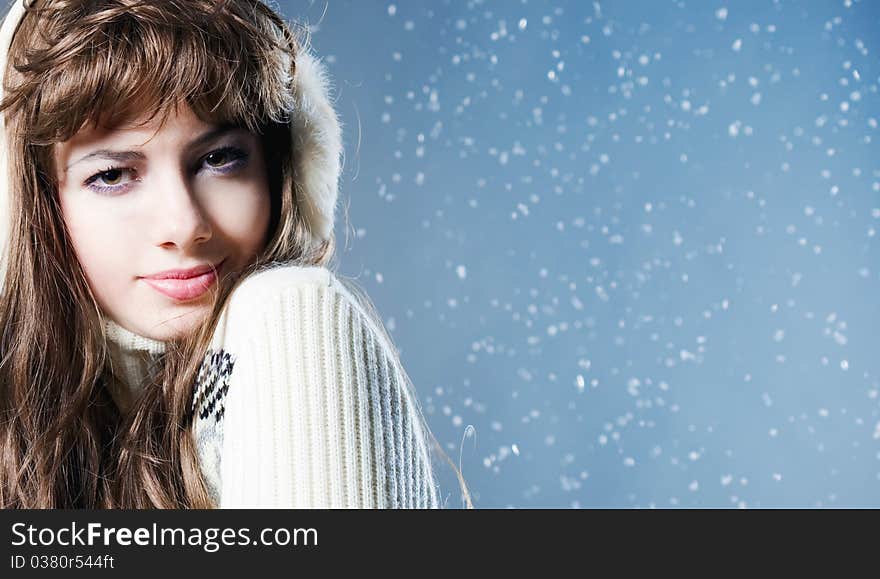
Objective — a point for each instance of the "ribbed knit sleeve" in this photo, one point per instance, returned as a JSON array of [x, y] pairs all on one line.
[[317, 413]]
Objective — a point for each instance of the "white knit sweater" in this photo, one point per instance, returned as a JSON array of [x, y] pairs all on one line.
[[300, 402]]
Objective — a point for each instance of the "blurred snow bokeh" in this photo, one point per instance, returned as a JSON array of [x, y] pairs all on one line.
[[628, 250]]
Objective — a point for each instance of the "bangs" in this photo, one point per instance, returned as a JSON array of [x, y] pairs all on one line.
[[107, 63]]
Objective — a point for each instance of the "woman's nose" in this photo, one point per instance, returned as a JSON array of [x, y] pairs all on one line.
[[180, 219]]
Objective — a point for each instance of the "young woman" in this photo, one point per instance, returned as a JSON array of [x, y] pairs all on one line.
[[172, 335]]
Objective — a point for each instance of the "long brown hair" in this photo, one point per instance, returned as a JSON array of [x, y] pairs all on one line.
[[72, 63]]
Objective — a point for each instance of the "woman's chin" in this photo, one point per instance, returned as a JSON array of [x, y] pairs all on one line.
[[177, 324]]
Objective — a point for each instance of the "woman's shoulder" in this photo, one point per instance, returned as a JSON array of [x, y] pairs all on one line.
[[263, 289], [281, 277], [313, 292], [307, 375]]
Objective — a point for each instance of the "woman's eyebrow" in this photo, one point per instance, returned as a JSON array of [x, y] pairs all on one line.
[[129, 156], [110, 155], [211, 135]]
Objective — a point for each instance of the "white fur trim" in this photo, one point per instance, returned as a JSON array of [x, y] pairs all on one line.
[[317, 144]]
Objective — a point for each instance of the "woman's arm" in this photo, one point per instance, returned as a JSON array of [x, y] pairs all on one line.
[[317, 413]]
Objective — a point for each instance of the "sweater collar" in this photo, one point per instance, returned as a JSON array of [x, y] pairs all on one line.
[[131, 342], [132, 358]]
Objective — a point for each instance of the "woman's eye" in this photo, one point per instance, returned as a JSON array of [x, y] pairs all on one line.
[[217, 158], [225, 159], [112, 177], [110, 180]]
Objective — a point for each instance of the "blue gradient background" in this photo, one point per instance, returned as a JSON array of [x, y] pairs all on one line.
[[628, 250]]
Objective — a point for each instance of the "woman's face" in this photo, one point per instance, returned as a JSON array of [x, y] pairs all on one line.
[[142, 202]]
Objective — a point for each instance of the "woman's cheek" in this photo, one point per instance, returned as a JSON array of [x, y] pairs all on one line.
[[243, 216], [103, 246]]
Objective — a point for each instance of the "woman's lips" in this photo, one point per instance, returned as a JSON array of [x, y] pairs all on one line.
[[184, 289]]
